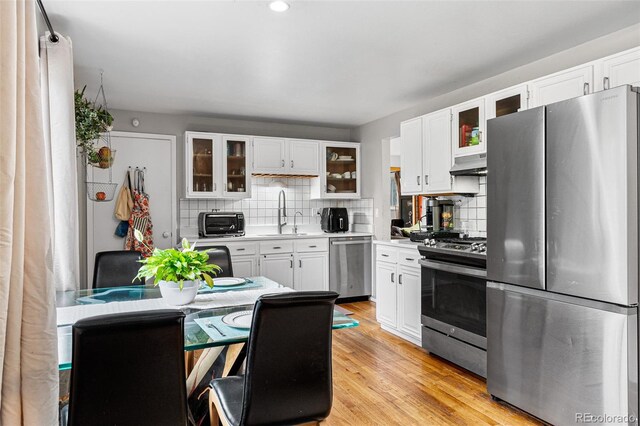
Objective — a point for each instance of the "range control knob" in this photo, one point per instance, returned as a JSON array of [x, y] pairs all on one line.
[[482, 248], [432, 242], [474, 246]]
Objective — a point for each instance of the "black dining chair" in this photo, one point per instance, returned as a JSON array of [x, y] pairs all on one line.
[[220, 256], [288, 378], [116, 268], [128, 370]]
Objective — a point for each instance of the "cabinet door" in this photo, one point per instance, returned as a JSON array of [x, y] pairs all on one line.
[[468, 128], [341, 174], [269, 155], [245, 266], [311, 272], [278, 267], [409, 300], [437, 152], [411, 158], [202, 164], [560, 86], [507, 102], [386, 300], [622, 69], [236, 170], [303, 157]]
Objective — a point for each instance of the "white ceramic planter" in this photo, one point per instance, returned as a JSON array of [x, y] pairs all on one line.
[[174, 296]]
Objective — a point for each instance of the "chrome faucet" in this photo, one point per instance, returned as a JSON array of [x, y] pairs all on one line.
[[282, 210], [295, 226]]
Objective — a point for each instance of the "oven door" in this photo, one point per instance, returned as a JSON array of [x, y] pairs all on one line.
[[454, 301]]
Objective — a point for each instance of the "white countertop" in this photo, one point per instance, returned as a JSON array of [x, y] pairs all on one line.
[[404, 243], [262, 237]]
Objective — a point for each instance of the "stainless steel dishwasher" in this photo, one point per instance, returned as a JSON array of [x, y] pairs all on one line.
[[350, 267]]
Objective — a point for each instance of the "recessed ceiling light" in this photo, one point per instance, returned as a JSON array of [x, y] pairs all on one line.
[[278, 6]]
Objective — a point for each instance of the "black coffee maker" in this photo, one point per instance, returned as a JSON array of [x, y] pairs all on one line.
[[334, 219]]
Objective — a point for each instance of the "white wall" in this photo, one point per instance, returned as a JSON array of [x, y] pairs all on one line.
[[371, 135]]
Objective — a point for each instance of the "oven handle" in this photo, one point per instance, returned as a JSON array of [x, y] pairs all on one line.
[[455, 269]]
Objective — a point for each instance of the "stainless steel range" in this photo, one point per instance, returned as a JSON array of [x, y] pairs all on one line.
[[454, 298]]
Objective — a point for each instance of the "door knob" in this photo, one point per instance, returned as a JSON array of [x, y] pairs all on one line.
[[166, 234]]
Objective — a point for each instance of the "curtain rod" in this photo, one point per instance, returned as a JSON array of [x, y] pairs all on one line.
[[53, 37]]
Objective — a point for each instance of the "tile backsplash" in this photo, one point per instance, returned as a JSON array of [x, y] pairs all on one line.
[[470, 213], [262, 207]]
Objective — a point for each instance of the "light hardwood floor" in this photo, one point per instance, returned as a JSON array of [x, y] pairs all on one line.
[[380, 379]]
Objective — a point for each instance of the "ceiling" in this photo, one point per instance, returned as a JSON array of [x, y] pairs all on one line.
[[326, 62]]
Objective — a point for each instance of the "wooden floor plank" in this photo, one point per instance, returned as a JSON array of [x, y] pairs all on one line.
[[380, 379]]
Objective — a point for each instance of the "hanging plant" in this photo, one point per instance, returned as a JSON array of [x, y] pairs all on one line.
[[91, 121]]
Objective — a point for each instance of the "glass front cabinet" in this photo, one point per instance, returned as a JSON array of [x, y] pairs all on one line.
[[507, 101], [468, 128], [339, 172], [217, 165]]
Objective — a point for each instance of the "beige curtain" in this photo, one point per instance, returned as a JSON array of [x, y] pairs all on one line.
[[28, 341]]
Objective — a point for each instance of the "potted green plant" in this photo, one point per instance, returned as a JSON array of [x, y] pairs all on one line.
[[178, 272], [91, 121]]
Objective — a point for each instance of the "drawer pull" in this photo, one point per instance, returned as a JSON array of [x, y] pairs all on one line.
[[313, 246], [240, 249], [409, 259], [277, 247], [384, 255]]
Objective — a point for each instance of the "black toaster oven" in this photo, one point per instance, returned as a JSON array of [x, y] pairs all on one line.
[[220, 224]]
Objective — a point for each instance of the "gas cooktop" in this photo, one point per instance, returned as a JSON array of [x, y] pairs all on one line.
[[468, 245]]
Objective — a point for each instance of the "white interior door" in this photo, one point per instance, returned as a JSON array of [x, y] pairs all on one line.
[[158, 154]]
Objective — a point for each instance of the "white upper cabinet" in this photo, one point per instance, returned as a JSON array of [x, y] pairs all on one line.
[[339, 176], [303, 157], [562, 85], [468, 128], [269, 155], [623, 68], [236, 166], [411, 176], [437, 151], [285, 156], [507, 101], [203, 165]]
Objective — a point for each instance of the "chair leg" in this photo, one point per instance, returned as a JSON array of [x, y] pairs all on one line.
[[216, 415], [232, 354]]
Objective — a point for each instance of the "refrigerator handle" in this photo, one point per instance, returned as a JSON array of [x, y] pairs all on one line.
[[586, 88]]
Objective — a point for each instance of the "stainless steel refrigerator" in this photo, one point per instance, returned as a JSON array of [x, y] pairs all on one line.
[[562, 259]]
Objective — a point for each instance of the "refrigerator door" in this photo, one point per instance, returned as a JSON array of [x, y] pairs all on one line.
[[592, 196], [559, 357], [515, 199]]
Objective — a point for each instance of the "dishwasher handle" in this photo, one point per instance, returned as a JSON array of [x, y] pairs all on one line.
[[348, 243]]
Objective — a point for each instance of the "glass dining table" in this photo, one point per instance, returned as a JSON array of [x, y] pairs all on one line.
[[195, 335]]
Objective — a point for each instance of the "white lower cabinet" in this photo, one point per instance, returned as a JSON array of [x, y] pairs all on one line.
[[409, 300], [398, 292], [311, 272], [245, 266], [386, 293], [278, 267]]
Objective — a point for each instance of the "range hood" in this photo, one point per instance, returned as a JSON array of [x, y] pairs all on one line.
[[470, 165]]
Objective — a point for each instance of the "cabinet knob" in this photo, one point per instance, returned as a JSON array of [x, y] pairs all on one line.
[[166, 234], [282, 163]]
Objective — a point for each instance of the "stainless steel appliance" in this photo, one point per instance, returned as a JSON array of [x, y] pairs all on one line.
[[453, 300], [350, 267], [220, 224], [562, 301], [334, 219], [438, 214]]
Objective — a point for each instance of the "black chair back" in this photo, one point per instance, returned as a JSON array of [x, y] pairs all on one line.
[[116, 268], [221, 256], [288, 373], [128, 369]]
